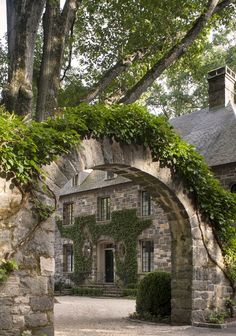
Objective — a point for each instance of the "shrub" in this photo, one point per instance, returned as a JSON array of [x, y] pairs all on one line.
[[154, 295], [132, 286], [129, 292], [87, 291]]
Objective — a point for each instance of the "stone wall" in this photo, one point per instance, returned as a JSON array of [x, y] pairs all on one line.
[[226, 174], [26, 300], [123, 196], [199, 284]]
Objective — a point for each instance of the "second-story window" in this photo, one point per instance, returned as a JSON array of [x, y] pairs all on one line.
[[68, 214], [104, 208], [146, 203]]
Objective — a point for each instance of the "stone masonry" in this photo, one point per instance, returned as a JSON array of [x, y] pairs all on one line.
[[123, 196], [199, 285]]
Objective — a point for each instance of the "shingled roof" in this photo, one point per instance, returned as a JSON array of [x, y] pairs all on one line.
[[212, 132], [95, 180]]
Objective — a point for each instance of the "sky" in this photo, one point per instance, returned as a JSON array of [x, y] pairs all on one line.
[[3, 16], [3, 20]]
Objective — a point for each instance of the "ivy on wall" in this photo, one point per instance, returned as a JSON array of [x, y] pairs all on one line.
[[26, 146], [124, 227]]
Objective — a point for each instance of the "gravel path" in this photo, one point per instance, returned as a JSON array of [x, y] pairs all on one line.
[[82, 316]]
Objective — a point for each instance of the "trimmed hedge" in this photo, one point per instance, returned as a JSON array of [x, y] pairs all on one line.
[[129, 292], [154, 295], [87, 291]]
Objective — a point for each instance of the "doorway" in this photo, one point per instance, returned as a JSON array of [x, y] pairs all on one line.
[[109, 265]]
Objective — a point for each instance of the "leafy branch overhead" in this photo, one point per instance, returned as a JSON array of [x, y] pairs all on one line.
[[119, 48], [27, 146]]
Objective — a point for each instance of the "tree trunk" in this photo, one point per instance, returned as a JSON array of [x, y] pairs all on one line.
[[57, 26], [23, 19]]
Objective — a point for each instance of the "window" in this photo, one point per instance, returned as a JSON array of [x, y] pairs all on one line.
[[104, 205], [110, 175], [68, 258], [233, 188], [68, 213], [147, 256], [146, 203], [75, 180]]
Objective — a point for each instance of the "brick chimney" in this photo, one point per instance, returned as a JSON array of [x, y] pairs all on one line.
[[221, 83]]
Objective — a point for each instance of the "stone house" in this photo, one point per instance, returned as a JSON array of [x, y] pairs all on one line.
[[122, 233]]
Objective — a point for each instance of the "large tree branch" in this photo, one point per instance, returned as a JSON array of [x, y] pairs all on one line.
[[111, 74], [57, 26], [175, 52]]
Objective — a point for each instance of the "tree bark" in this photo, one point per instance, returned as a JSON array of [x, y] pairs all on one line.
[[175, 52], [57, 26], [23, 19]]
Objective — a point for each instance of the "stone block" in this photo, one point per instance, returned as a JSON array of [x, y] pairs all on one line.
[[36, 320], [11, 287], [43, 303], [199, 304], [47, 266], [18, 321], [5, 321], [21, 309], [34, 286]]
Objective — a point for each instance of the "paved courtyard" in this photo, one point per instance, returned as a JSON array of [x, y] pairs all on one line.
[[80, 316]]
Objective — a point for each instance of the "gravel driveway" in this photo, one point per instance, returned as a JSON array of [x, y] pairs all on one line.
[[82, 316]]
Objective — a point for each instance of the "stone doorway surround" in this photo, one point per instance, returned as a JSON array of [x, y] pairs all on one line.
[[103, 245], [198, 283]]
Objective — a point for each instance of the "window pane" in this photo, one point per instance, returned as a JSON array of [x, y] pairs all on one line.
[[68, 213], [147, 256], [68, 258], [104, 208], [146, 203]]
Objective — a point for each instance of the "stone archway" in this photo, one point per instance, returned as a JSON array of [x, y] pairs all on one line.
[[198, 281]]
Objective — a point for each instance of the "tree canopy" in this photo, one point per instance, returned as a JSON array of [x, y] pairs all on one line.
[[110, 51]]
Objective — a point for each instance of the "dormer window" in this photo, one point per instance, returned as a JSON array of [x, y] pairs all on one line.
[[75, 180], [110, 175]]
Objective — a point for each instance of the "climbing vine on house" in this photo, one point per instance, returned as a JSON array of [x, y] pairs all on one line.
[[27, 145], [124, 227]]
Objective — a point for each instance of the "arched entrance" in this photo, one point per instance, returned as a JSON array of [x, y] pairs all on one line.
[[198, 282]]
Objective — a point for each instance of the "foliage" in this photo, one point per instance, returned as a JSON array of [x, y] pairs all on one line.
[[217, 317], [6, 267], [183, 88], [131, 26], [132, 292], [154, 294], [3, 65], [26, 146], [124, 226], [87, 291]]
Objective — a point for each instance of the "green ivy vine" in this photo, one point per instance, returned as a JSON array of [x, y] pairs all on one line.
[[6, 267], [26, 146], [124, 227]]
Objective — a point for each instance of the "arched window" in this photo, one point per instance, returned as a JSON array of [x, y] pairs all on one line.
[[233, 188]]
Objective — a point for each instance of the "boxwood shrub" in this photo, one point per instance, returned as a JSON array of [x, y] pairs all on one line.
[[154, 295]]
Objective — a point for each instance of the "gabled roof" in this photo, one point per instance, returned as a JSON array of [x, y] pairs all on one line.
[[212, 132], [96, 179]]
